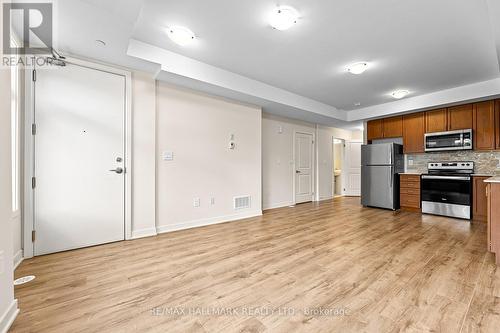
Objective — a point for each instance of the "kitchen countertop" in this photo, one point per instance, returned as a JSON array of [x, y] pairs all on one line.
[[482, 175], [495, 179], [411, 173]]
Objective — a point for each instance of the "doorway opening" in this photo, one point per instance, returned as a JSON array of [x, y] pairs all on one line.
[[338, 188]]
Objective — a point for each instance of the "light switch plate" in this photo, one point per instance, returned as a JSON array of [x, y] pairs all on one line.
[[196, 202], [2, 263], [168, 156]]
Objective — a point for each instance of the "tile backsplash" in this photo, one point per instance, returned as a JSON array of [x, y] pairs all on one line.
[[484, 162]]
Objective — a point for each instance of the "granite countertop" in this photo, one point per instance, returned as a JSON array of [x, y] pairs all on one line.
[[495, 179], [410, 173], [482, 174]]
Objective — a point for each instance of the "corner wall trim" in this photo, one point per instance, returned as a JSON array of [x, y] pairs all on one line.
[[208, 221], [141, 233], [8, 317], [18, 258]]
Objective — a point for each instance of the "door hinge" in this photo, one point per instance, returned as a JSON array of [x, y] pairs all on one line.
[[312, 141], [33, 129], [33, 236], [33, 182], [34, 75]]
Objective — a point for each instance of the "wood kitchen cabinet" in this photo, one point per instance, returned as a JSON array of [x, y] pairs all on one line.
[[436, 121], [374, 129], [484, 125], [479, 197], [460, 117], [393, 127], [385, 128], [409, 192], [497, 124], [413, 133], [493, 240]]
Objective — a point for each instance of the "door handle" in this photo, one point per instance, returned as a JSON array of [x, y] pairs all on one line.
[[297, 171], [117, 170]]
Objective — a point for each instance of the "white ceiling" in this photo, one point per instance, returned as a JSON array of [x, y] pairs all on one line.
[[424, 46]]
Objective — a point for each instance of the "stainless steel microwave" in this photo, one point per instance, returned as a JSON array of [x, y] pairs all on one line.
[[451, 140]]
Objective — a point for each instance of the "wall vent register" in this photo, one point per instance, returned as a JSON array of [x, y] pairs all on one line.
[[242, 202]]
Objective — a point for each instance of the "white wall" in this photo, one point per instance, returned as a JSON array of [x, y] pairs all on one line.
[[197, 129], [8, 306], [277, 159], [144, 153]]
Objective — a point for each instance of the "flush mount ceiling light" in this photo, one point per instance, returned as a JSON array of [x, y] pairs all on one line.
[[283, 17], [398, 94], [357, 68], [180, 35]]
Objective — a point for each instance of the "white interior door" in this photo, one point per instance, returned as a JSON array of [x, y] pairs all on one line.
[[353, 168], [79, 201], [304, 178]]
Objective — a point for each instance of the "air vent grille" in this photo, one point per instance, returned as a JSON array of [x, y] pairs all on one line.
[[242, 202]]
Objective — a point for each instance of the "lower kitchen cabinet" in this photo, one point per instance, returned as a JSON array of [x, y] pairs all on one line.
[[409, 192], [493, 241], [479, 205]]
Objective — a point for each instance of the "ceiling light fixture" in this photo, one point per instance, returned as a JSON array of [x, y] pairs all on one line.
[[398, 94], [180, 35], [283, 17], [357, 68]]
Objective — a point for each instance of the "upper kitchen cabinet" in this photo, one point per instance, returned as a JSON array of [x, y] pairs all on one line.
[[393, 127], [436, 121], [497, 124], [413, 132], [460, 117], [374, 129], [484, 125]]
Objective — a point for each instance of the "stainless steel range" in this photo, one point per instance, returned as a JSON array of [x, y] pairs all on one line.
[[447, 189]]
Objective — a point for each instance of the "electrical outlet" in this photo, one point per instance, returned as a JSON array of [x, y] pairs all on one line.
[[196, 202], [410, 162], [212, 201]]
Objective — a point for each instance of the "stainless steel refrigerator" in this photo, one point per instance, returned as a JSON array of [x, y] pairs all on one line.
[[380, 168]]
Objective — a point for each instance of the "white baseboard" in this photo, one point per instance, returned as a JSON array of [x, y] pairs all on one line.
[[8, 317], [18, 258], [209, 221], [277, 205], [141, 233], [326, 198]]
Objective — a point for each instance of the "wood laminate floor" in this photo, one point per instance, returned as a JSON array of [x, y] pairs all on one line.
[[328, 267]]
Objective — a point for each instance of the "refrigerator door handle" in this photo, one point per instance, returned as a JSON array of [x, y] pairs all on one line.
[[391, 175]]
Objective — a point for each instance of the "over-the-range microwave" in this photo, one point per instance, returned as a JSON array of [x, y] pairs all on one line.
[[451, 140]]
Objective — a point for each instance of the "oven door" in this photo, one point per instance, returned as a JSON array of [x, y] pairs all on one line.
[[447, 195], [444, 141]]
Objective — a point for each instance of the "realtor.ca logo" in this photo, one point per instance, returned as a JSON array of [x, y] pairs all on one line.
[[32, 22], [27, 32]]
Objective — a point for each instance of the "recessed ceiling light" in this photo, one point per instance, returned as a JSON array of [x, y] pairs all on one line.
[[357, 68], [180, 35], [283, 17], [398, 94], [357, 104]]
